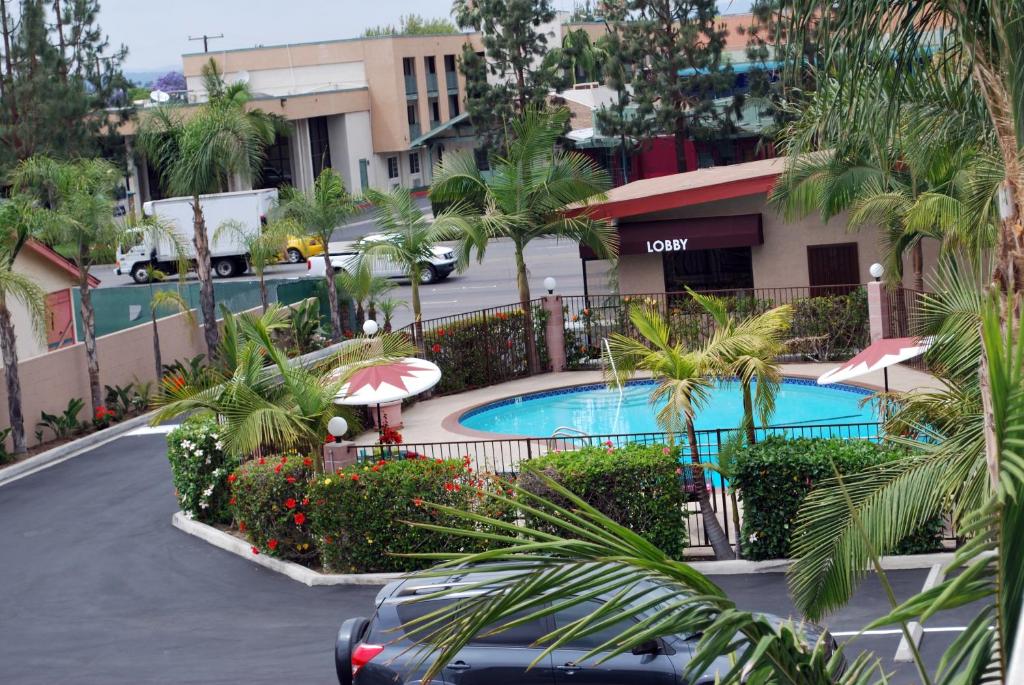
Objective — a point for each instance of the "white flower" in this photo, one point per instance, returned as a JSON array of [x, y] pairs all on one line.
[[188, 515], [203, 504], [753, 538], [219, 445], [207, 462], [198, 452]]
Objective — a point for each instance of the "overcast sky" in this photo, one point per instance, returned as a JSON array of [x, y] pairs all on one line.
[[156, 31]]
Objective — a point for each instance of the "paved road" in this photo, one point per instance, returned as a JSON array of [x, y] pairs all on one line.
[[97, 587]]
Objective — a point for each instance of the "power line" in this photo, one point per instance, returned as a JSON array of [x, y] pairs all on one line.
[[206, 40]]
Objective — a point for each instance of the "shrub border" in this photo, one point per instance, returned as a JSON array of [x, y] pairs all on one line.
[[306, 576]]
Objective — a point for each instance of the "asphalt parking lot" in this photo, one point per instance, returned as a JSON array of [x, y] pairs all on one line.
[[97, 587]]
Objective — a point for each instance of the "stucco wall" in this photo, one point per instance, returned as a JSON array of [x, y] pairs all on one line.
[[49, 278], [782, 260]]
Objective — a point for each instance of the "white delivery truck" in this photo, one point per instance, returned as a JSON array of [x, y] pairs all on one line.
[[228, 252]]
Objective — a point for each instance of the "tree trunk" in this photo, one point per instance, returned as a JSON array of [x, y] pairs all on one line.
[[264, 299], [532, 359], [92, 358], [417, 313], [9, 348], [332, 300], [748, 415], [917, 264], [156, 348], [712, 528], [204, 272], [681, 137]]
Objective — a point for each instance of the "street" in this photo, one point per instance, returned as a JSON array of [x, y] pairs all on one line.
[[103, 590], [486, 284]]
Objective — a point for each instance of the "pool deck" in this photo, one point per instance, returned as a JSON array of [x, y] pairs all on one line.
[[436, 419]]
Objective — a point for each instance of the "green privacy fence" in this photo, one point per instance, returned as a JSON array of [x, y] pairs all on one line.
[[121, 308]]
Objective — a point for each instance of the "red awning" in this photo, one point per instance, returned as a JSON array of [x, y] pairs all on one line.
[[683, 235]]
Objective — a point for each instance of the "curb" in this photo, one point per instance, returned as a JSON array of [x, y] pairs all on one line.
[[306, 576], [296, 572], [71, 449]]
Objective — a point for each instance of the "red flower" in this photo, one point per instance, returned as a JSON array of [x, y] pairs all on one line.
[[376, 467], [348, 334], [300, 518], [255, 550], [290, 479], [417, 501], [232, 501], [449, 486], [232, 478], [241, 526], [509, 344], [305, 501], [261, 460], [277, 469], [307, 461], [355, 477], [440, 332], [328, 539], [284, 460], [272, 543], [435, 348], [289, 503]]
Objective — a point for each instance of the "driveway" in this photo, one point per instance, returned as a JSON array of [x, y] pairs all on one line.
[[97, 587]]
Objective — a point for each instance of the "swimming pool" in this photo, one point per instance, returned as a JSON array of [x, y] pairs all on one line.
[[596, 410]]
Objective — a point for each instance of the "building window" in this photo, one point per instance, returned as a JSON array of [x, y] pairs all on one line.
[[319, 144], [453, 105], [482, 162], [451, 74], [408, 66], [431, 63], [414, 162], [410, 111], [277, 165], [727, 268], [449, 63], [435, 112], [833, 269], [392, 167]]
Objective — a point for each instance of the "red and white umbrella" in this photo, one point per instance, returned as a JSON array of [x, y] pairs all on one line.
[[390, 382], [879, 355]]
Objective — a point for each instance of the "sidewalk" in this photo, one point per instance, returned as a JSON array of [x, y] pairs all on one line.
[[435, 420]]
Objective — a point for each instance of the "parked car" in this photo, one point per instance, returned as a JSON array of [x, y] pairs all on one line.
[[345, 257], [299, 249], [375, 650]]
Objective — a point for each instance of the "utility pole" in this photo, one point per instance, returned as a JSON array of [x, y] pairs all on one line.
[[206, 40]]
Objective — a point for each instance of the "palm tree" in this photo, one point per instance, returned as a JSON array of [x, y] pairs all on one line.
[[525, 197], [19, 218], [264, 248], [318, 213], [683, 385], [578, 57], [167, 300], [199, 153], [363, 287], [748, 350], [266, 402], [388, 306], [409, 237], [81, 197]]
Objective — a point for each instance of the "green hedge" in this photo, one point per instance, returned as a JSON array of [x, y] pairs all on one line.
[[360, 514], [199, 470], [831, 326], [271, 507], [774, 476], [484, 349], [637, 486]]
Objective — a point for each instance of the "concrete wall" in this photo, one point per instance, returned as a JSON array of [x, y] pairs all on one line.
[[50, 279], [782, 260]]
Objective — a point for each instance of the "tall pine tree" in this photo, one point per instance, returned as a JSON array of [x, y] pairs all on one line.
[[668, 70], [511, 76]]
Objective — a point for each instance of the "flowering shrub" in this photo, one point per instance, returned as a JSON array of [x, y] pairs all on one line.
[[485, 349], [774, 476], [270, 505], [199, 469], [360, 514], [831, 326], [637, 486], [103, 417]]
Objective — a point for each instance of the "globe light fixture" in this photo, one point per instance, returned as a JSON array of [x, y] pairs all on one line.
[[370, 327], [550, 284], [876, 270], [337, 427]]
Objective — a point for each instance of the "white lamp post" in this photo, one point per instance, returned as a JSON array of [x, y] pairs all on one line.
[[550, 284], [876, 270], [370, 327], [337, 427]]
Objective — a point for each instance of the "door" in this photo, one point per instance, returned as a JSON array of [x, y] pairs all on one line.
[[830, 267], [364, 174], [570, 668], [503, 657]]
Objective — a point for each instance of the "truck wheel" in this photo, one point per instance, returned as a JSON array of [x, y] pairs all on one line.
[[225, 268], [294, 256], [428, 274], [140, 274]]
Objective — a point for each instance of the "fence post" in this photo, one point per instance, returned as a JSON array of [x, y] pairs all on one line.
[[554, 332], [878, 310], [338, 455]]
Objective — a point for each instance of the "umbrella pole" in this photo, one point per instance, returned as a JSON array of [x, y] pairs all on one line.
[[380, 426], [885, 374]]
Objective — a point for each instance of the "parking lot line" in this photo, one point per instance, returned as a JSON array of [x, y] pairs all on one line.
[[897, 631]]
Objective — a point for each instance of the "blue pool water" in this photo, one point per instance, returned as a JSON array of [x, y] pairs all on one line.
[[596, 410]]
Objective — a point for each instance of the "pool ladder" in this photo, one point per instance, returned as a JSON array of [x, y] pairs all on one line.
[[555, 442]]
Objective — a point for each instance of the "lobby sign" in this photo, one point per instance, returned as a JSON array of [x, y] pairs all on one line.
[[686, 235]]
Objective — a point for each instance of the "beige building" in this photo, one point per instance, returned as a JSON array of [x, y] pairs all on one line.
[[713, 229], [56, 276], [380, 111]]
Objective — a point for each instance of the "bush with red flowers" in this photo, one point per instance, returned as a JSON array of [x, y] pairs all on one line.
[[360, 514], [269, 498], [200, 470]]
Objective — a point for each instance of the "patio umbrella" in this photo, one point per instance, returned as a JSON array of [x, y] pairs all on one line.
[[880, 354], [384, 383]]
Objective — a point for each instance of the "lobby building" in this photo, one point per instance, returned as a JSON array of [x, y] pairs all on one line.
[[713, 229]]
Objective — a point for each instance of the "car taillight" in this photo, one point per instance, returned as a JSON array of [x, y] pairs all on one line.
[[362, 655], [309, 265]]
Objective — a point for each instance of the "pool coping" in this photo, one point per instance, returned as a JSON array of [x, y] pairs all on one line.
[[452, 424]]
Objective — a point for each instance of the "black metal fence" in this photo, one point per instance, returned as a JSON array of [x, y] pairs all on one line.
[[504, 456], [828, 323], [904, 318]]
